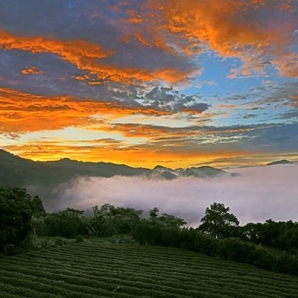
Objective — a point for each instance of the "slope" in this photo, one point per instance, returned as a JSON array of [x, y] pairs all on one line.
[[17, 171], [89, 270]]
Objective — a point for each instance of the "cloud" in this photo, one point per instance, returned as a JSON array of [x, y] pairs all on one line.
[[289, 115], [226, 106], [170, 99], [32, 70], [23, 112], [69, 50], [55, 149], [17, 108], [91, 58], [96, 64], [145, 145], [235, 29], [286, 93], [257, 194]]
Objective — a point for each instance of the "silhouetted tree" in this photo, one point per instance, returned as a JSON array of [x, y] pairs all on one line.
[[15, 216], [218, 222], [289, 240], [108, 220], [153, 213], [67, 223], [251, 232], [37, 206]]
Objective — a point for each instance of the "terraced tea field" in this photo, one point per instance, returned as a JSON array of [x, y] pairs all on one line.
[[88, 270]]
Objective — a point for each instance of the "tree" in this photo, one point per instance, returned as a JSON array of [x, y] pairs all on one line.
[[158, 229], [165, 219], [67, 223], [289, 240], [109, 220], [251, 232], [37, 206], [15, 213], [153, 213], [218, 222], [170, 220], [271, 232]]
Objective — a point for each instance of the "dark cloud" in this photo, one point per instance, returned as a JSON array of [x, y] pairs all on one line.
[[289, 115], [285, 93], [248, 116], [169, 99], [272, 138], [200, 139]]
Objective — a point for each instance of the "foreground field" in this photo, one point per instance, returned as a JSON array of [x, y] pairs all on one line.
[[88, 270]]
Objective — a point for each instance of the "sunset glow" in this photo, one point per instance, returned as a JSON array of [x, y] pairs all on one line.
[[145, 82]]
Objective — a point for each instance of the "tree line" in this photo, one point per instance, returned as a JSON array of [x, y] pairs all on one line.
[[270, 245]]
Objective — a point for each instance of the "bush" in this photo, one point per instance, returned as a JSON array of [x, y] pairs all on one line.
[[205, 244], [286, 263], [235, 250], [59, 241], [79, 239], [68, 223]]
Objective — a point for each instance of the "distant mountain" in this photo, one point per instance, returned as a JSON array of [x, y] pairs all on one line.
[[18, 171], [163, 172], [13, 169], [101, 169], [279, 162], [198, 172], [202, 172]]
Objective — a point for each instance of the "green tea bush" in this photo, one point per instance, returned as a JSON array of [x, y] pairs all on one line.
[[79, 239]]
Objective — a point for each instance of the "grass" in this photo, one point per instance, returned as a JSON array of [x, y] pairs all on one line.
[[94, 269]]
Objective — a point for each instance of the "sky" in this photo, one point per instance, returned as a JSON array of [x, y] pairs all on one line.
[[144, 82]]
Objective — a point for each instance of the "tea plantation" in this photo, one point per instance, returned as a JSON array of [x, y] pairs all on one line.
[[89, 270]]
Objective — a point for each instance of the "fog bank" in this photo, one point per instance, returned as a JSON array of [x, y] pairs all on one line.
[[257, 194]]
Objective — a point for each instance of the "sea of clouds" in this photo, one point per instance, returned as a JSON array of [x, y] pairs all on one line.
[[256, 194]]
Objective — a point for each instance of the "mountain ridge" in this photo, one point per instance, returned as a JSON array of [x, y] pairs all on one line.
[[279, 162], [19, 171]]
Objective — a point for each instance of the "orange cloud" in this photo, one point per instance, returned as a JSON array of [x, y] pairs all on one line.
[[233, 28], [88, 57], [32, 70], [175, 147], [24, 112], [288, 65], [226, 106], [169, 134], [147, 155], [71, 51], [137, 130]]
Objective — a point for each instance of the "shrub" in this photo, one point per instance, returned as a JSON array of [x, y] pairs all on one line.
[[235, 250], [79, 239]]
